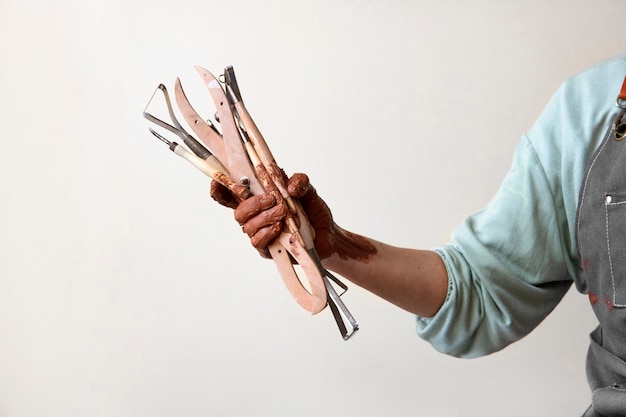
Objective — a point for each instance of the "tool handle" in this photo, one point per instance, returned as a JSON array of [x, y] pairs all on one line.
[[213, 168], [313, 300], [206, 133], [261, 148], [275, 173], [287, 244]]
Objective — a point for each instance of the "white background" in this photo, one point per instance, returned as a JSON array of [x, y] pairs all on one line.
[[126, 291]]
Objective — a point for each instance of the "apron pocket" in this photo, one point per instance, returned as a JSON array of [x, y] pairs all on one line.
[[615, 210], [610, 401]]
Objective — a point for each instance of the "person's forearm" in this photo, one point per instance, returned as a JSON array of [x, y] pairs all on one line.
[[414, 280]]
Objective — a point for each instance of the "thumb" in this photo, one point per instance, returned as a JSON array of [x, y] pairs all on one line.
[[298, 185]]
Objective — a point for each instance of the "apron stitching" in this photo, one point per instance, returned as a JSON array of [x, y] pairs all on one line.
[[608, 246], [584, 190], [608, 249], [582, 201]]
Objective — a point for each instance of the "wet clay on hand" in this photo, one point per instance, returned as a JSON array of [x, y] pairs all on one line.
[[329, 238], [223, 195], [261, 219]]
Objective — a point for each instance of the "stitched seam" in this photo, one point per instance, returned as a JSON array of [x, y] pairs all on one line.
[[580, 208], [608, 243], [451, 284], [608, 248], [606, 209], [584, 192]]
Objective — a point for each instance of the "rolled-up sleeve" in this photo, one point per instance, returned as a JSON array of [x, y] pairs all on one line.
[[510, 264], [505, 266]]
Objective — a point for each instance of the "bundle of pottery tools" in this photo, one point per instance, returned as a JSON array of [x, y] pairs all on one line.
[[237, 156]]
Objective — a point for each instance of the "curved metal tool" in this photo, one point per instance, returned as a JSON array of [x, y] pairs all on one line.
[[206, 132], [240, 163], [248, 164], [305, 232]]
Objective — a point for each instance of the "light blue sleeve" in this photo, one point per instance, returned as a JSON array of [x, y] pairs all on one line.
[[510, 264], [505, 266]]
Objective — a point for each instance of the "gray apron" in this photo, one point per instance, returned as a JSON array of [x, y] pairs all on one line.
[[601, 238]]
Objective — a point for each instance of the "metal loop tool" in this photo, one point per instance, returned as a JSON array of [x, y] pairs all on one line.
[[237, 156]]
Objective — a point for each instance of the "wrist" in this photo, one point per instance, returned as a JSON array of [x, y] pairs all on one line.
[[350, 246]]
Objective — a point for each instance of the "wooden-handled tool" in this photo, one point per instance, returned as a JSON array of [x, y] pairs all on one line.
[[305, 233], [238, 157], [241, 166]]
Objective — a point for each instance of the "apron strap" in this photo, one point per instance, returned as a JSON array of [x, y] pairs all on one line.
[[619, 125], [621, 98]]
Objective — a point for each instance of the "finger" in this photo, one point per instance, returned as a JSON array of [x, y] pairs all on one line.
[[311, 197], [265, 236], [223, 195], [298, 185], [265, 253], [253, 206], [267, 217]]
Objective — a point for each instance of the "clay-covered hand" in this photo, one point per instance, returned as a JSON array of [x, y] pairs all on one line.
[[330, 239], [318, 213], [262, 216]]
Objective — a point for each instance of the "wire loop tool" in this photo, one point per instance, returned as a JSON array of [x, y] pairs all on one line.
[[237, 156]]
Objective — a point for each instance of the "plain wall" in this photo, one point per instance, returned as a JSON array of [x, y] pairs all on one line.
[[126, 291]]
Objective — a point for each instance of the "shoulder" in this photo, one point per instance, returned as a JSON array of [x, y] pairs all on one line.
[[595, 87], [569, 130], [579, 111]]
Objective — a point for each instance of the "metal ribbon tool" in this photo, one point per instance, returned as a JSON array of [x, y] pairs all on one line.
[[238, 158]]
